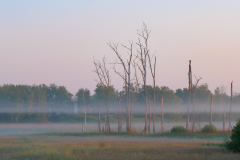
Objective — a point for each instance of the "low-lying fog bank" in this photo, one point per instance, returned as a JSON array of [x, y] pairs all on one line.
[[30, 128]]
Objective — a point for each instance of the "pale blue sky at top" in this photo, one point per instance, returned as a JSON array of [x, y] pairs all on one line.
[[55, 41]]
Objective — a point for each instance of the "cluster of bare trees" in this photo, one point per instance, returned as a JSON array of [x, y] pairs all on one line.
[[192, 92], [139, 60]]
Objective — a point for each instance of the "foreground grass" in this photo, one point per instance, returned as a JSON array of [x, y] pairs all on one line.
[[66, 146]]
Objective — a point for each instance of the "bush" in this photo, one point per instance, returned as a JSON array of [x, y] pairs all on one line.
[[208, 128], [234, 143], [178, 129]]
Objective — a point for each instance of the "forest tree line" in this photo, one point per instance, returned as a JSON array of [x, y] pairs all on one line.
[[59, 97]]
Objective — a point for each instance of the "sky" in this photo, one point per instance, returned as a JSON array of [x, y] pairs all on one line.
[[56, 41]]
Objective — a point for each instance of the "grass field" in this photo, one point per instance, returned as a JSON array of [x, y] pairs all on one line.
[[64, 146]]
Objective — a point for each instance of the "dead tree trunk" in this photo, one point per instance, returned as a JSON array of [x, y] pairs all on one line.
[[106, 128], [162, 121], [85, 120], [142, 56], [99, 122], [149, 125], [126, 76], [119, 97], [211, 107], [189, 98], [194, 92], [153, 73], [230, 112], [104, 79], [131, 114]]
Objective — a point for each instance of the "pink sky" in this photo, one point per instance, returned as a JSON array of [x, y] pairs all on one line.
[[55, 42]]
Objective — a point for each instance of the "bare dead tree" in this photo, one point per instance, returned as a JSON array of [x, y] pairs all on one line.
[[119, 97], [149, 125], [190, 89], [142, 56], [153, 73], [194, 92], [230, 112], [105, 80], [126, 76], [162, 118], [99, 122]]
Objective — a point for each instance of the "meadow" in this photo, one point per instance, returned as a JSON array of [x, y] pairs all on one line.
[[76, 145]]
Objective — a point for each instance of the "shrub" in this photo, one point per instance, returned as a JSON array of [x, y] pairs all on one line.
[[234, 143], [208, 128], [178, 129]]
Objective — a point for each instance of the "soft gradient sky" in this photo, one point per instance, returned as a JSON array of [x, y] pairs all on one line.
[[44, 41]]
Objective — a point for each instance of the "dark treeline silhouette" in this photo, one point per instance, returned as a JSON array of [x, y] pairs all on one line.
[[48, 98]]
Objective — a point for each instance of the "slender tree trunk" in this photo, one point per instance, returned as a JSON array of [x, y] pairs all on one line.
[[119, 117], [131, 110], [129, 99], [85, 120], [224, 121], [193, 125], [211, 107], [162, 124], [149, 125], [230, 112], [107, 127], [189, 98], [154, 99], [99, 122], [146, 111]]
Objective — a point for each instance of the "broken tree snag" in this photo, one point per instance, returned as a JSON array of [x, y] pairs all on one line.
[[211, 107], [224, 121], [162, 121], [189, 98], [230, 112], [99, 122]]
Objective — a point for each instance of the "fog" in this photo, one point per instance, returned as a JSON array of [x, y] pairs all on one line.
[[22, 121]]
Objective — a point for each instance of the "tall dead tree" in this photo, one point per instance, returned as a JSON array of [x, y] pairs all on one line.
[[119, 97], [142, 56], [105, 80], [126, 76], [230, 112], [194, 92], [189, 98], [211, 107], [153, 73]]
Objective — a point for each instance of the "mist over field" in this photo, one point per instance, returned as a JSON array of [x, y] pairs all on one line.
[[119, 80]]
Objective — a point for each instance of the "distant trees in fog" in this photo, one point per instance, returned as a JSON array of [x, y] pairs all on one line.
[[54, 96]]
